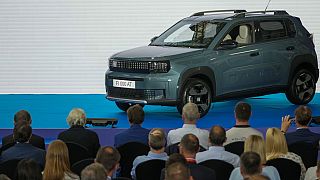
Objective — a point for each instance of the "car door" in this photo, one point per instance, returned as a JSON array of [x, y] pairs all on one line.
[[277, 48], [238, 69]]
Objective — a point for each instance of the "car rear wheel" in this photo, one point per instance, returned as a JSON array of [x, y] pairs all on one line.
[[125, 106], [302, 87], [196, 91]]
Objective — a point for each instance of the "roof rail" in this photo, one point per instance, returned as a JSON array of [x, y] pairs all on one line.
[[218, 11], [275, 12]]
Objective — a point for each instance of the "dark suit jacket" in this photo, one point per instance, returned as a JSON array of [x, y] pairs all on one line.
[[24, 151], [82, 136], [35, 140], [135, 133], [302, 135]]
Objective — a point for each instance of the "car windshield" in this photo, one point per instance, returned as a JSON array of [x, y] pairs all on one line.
[[189, 34]]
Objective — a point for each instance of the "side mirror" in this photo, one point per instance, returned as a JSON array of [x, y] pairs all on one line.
[[154, 38], [228, 44]]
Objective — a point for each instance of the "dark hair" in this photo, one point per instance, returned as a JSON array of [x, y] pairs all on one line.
[[109, 157], [135, 114], [176, 157], [28, 169], [250, 163], [242, 111], [190, 143], [303, 115], [22, 115], [217, 135], [22, 132], [177, 171]]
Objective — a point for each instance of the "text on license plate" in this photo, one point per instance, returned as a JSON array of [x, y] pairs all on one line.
[[124, 83]]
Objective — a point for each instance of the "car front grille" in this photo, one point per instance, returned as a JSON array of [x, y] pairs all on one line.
[[137, 94], [135, 66]]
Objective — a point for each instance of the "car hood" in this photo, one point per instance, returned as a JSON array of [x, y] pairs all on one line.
[[147, 52]]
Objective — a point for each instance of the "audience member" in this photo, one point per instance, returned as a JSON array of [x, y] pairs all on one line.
[[35, 140], [256, 144], [242, 129], [135, 133], [190, 116], [217, 137], [250, 164], [258, 177], [109, 157], [189, 147], [157, 141], [4, 177], [276, 147], [178, 171], [313, 172], [78, 134], [23, 149], [303, 116], [57, 162], [28, 169], [173, 158], [94, 171]]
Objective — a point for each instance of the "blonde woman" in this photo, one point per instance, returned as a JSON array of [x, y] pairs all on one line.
[[256, 144], [276, 147], [57, 163]]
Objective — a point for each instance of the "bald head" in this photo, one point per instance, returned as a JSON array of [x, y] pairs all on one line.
[[109, 157], [217, 135], [190, 144]]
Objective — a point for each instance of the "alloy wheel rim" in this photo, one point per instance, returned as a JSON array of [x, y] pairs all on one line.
[[304, 87], [199, 95]]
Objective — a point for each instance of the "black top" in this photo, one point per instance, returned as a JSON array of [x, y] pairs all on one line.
[[82, 136], [35, 140]]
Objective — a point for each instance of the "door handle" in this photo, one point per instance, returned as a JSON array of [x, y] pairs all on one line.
[[290, 48], [254, 54]]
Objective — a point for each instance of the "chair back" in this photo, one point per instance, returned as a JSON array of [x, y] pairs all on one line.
[[80, 165], [129, 152], [174, 148], [223, 169], [235, 147], [288, 169], [307, 151], [77, 152], [150, 169], [9, 167]]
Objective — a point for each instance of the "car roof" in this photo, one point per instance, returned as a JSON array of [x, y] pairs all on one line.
[[227, 15]]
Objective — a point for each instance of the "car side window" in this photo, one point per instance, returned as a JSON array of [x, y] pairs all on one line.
[[270, 30], [242, 34]]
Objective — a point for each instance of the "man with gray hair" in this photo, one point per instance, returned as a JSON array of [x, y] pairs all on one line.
[[157, 141], [78, 134], [94, 171], [190, 116]]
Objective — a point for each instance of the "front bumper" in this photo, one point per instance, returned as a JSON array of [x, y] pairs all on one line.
[[156, 89]]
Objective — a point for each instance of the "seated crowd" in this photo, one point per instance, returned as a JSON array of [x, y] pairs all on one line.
[[184, 153]]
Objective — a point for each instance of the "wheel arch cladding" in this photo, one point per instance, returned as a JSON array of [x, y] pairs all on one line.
[[202, 72], [307, 61]]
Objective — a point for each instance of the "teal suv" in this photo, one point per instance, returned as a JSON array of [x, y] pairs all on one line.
[[217, 55]]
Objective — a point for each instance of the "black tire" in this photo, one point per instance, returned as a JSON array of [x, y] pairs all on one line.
[[196, 91], [125, 106], [302, 87]]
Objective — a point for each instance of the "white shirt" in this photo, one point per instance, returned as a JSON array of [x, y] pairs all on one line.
[[218, 152], [311, 173], [240, 133], [175, 135]]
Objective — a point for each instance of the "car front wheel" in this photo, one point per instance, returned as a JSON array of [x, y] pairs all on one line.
[[301, 88], [196, 91]]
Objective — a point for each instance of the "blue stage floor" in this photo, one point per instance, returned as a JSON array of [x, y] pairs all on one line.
[[50, 111]]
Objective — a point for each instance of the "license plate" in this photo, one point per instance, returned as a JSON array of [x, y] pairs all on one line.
[[124, 83]]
